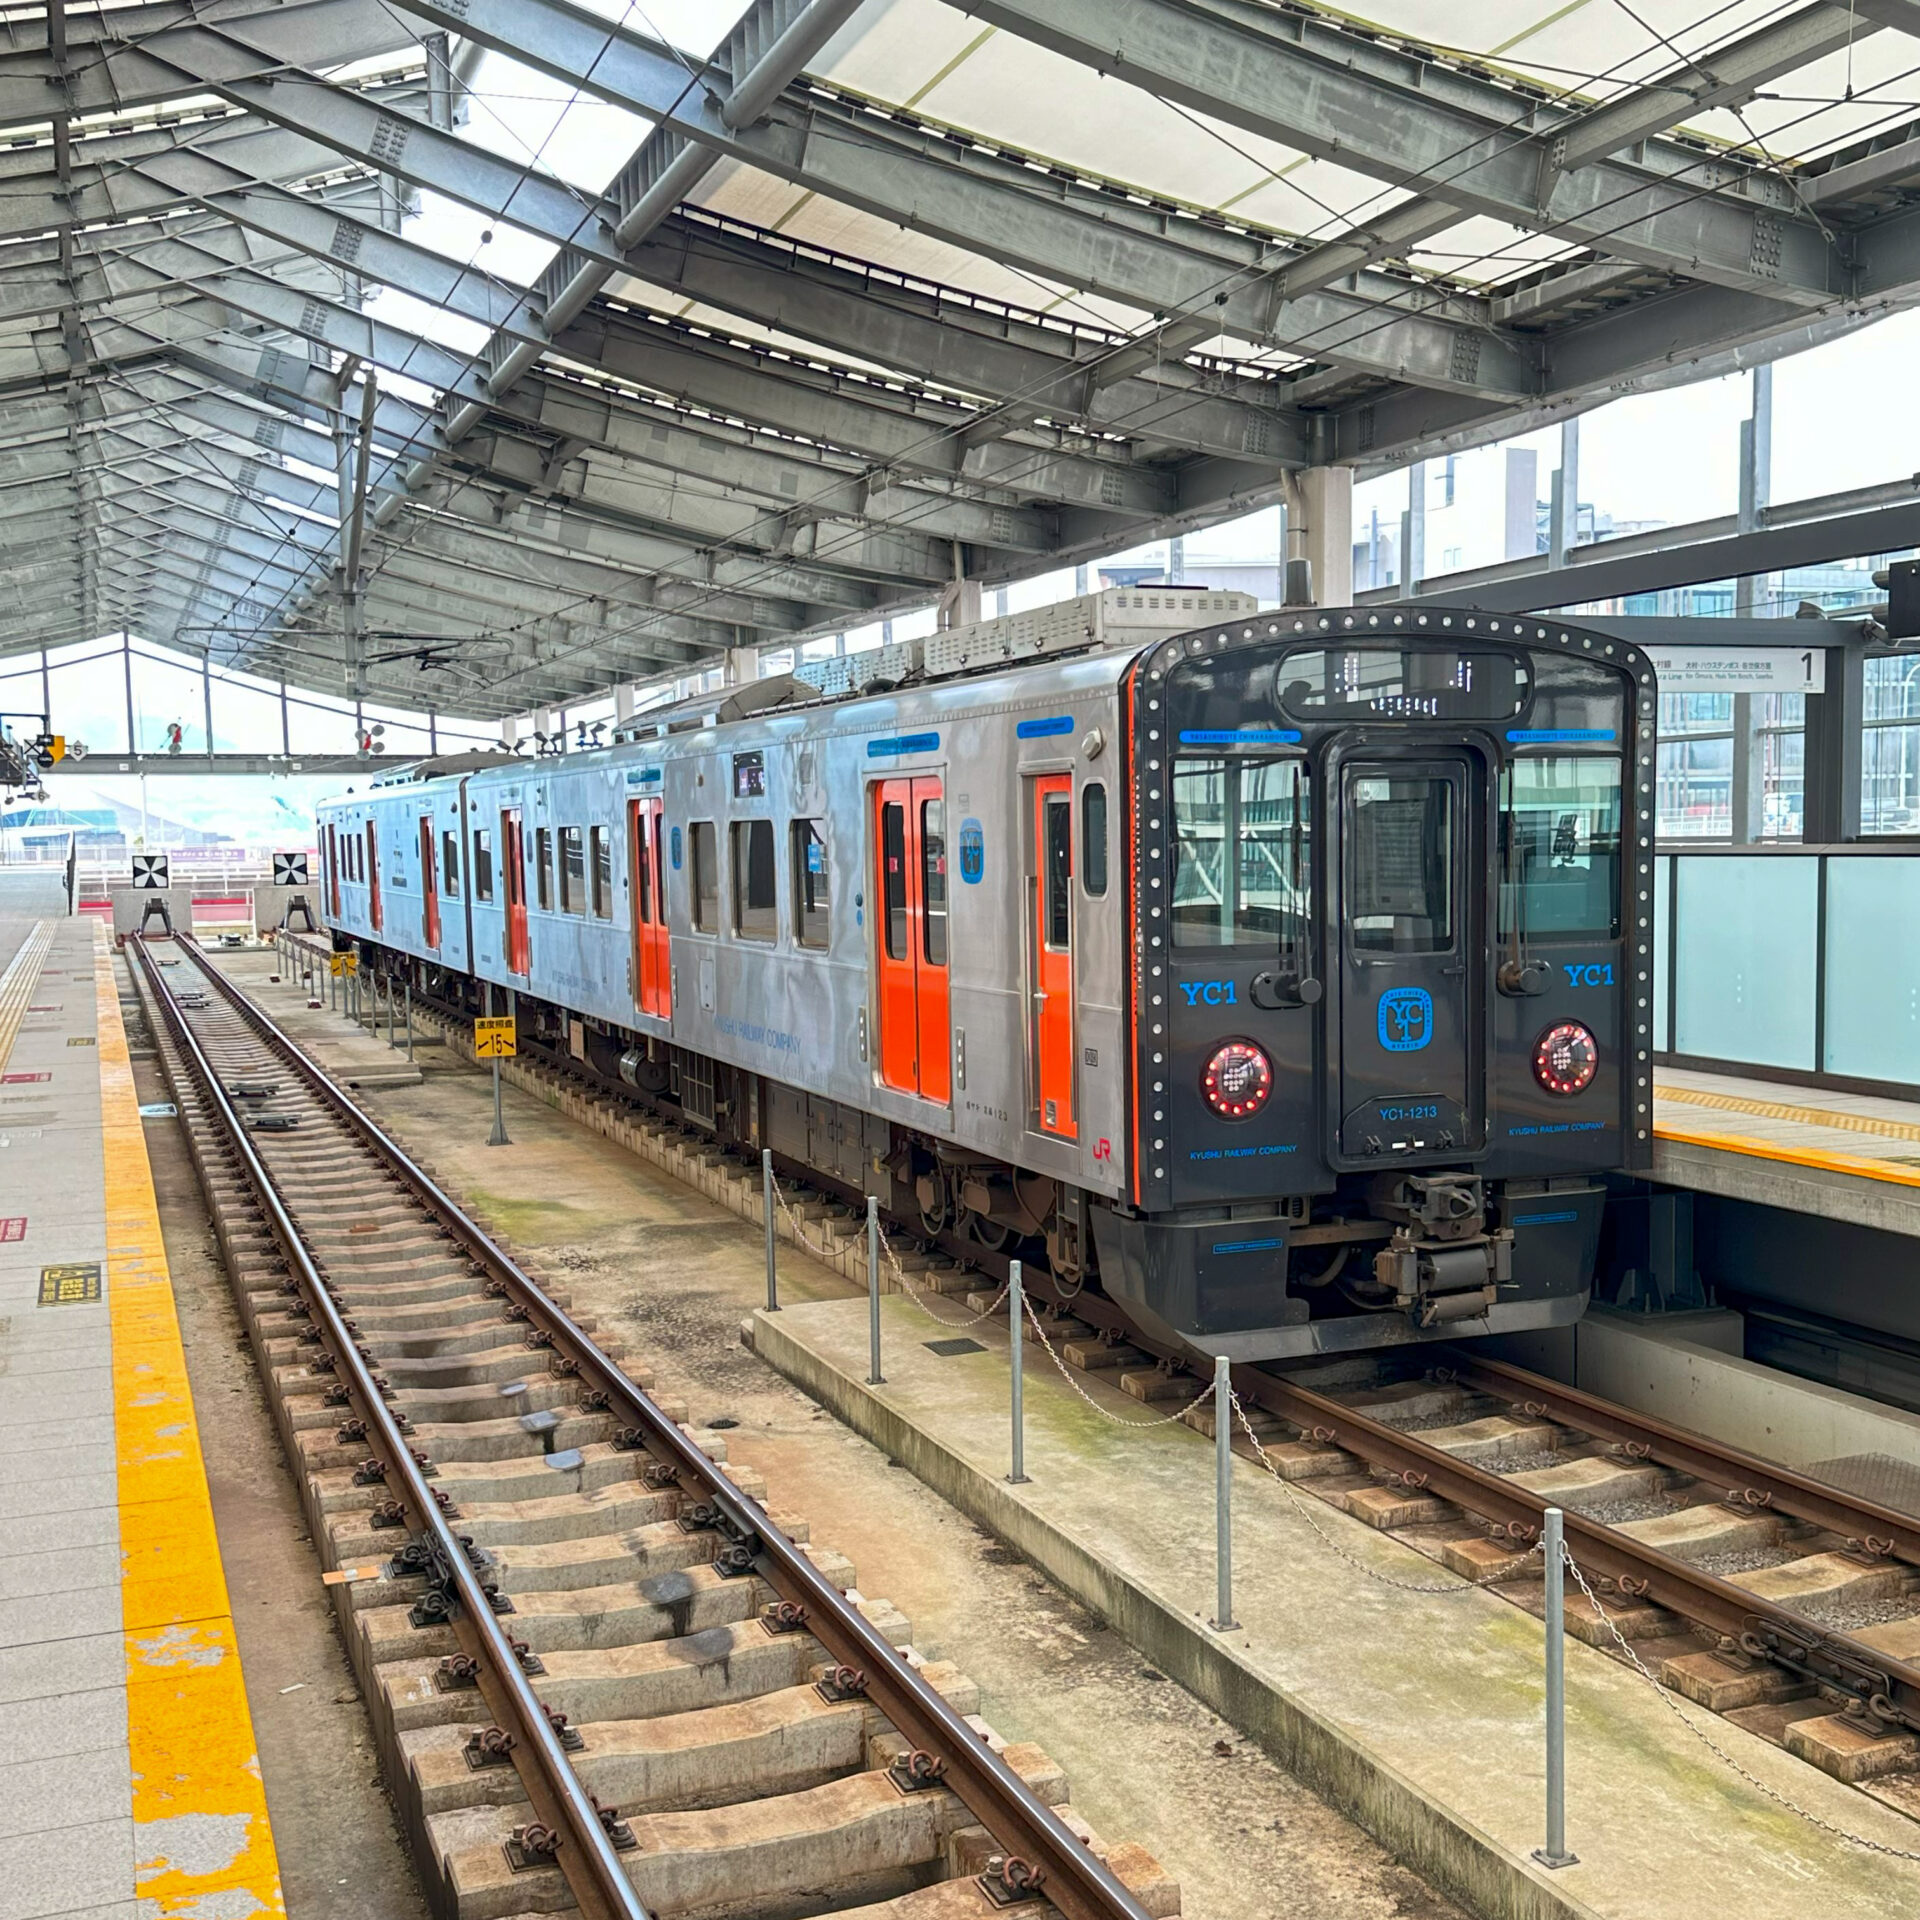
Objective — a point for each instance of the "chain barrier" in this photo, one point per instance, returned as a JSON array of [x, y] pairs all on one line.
[[1306, 1506], [1106, 1413], [1671, 1702], [920, 1298], [912, 1292]]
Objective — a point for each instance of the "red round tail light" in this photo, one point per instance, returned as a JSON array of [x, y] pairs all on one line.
[[1238, 1080], [1566, 1058]]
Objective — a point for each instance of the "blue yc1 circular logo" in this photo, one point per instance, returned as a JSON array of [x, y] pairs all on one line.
[[973, 851], [673, 846], [1406, 1019]]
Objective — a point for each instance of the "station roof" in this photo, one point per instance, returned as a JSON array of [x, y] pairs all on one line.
[[329, 347]]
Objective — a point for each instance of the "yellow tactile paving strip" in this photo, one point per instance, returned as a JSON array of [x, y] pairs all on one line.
[[1862, 1166], [202, 1843], [18, 983], [1805, 1116]]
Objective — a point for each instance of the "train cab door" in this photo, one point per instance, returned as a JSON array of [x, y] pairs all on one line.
[[429, 885], [1409, 925], [333, 876], [652, 961], [374, 917], [513, 888], [1050, 890], [910, 938]]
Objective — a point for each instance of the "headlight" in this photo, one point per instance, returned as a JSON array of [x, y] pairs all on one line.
[[1238, 1080], [1566, 1058]]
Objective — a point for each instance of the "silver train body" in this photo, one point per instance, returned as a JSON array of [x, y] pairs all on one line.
[[1225, 964]]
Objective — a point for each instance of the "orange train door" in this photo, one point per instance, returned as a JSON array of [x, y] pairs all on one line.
[[373, 879], [1053, 953], [333, 877], [910, 893], [652, 952], [429, 885], [513, 881]]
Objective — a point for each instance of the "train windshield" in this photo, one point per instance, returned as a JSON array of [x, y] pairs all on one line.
[[1240, 852], [1560, 847]]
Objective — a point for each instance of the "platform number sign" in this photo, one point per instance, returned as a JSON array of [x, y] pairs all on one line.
[[290, 870], [152, 872]]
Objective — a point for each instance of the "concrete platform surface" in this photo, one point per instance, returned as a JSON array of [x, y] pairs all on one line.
[[1841, 1156], [1419, 1712], [128, 1776]]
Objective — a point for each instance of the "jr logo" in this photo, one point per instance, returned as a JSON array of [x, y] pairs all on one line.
[[1406, 1019], [1595, 974]]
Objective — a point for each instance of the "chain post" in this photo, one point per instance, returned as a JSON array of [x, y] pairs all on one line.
[[1223, 1620], [409, 1022], [766, 1207], [1016, 1327], [875, 1378], [1553, 1546]]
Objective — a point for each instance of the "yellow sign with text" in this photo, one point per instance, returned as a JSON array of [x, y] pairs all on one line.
[[493, 1039], [343, 963]]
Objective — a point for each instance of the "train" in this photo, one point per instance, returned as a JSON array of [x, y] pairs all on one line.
[[1283, 976]]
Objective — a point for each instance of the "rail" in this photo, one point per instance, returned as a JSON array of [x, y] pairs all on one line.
[[590, 1864], [1075, 1880]]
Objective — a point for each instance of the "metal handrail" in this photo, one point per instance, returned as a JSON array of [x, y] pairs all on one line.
[[602, 1886]]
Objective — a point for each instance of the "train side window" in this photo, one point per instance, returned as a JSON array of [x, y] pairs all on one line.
[[647, 856], [483, 863], [933, 881], [811, 923], [1058, 869], [573, 870], [450, 865], [1560, 847], [703, 850], [1093, 841], [755, 914], [1241, 852], [602, 873], [893, 877], [1400, 863], [543, 866]]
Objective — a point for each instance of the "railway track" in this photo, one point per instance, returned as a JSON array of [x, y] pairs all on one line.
[[602, 1675], [1787, 1604]]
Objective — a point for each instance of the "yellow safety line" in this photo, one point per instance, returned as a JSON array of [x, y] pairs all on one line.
[[17, 985], [202, 1843], [1794, 1156], [1806, 1116]]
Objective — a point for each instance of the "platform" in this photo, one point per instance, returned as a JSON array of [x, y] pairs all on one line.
[[1417, 1712], [1841, 1156], [128, 1774]]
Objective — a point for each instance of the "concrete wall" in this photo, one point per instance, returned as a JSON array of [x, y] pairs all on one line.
[[1688, 1368]]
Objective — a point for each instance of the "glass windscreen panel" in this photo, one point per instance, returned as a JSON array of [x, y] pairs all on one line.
[[1560, 847], [1400, 859], [933, 881], [1241, 851], [1396, 683]]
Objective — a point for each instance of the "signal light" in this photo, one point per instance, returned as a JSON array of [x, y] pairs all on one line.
[[1566, 1058], [1238, 1081]]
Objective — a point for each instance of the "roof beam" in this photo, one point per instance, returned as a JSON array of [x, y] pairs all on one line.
[[1416, 121]]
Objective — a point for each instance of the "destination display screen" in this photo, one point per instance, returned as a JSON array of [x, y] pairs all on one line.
[[1394, 683]]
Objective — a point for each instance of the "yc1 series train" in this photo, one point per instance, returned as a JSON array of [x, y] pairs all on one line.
[[1286, 974]]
